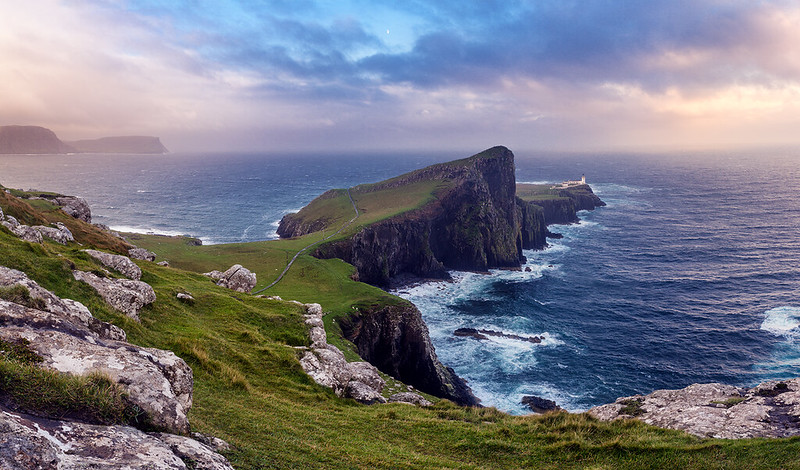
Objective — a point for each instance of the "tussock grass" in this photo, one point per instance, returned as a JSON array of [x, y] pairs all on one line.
[[27, 387]]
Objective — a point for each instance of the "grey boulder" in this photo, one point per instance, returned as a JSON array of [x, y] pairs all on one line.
[[119, 263], [126, 295]]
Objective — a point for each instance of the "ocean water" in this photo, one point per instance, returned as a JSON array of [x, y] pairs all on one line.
[[691, 273]]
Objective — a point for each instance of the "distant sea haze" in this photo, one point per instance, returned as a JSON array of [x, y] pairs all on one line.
[[690, 274]]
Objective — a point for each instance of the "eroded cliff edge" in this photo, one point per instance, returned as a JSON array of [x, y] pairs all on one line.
[[464, 215]]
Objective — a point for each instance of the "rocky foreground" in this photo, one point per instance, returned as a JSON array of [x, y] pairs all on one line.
[[771, 409]]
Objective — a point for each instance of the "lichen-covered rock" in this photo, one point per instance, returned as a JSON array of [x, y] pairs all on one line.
[[24, 232], [363, 393], [409, 398], [771, 409], [61, 234], [69, 340], [76, 207], [164, 263], [28, 443], [215, 443], [126, 295], [157, 381], [236, 278], [142, 254], [328, 367], [60, 310], [119, 263], [190, 450]]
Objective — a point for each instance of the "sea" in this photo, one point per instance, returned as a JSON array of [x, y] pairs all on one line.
[[691, 273]]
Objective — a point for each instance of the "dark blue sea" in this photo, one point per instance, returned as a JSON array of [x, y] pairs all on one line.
[[691, 273]]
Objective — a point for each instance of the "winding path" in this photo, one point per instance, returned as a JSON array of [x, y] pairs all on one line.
[[289, 265]]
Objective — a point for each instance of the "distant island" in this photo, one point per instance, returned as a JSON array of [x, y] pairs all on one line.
[[40, 140]]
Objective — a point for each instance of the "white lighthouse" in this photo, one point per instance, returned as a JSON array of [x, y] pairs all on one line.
[[583, 179]]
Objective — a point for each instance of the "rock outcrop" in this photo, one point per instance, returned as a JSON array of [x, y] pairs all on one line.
[[29, 442], [67, 339], [126, 295], [328, 367], [236, 278], [57, 311], [59, 234], [395, 339], [771, 409], [24, 232], [142, 254], [75, 206], [30, 139], [410, 398], [119, 263]]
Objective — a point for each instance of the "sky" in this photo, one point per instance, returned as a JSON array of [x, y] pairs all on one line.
[[339, 75]]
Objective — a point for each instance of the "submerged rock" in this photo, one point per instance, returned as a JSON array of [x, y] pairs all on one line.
[[539, 405], [484, 334], [771, 409]]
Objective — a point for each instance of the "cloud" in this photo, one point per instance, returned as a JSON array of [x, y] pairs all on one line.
[[288, 73]]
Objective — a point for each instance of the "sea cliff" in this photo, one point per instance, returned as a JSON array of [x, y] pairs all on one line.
[[472, 221]]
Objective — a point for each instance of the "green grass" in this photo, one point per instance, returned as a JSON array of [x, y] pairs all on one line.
[[249, 388], [537, 192], [375, 203]]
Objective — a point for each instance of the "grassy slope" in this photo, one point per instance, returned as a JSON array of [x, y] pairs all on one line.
[[536, 192], [250, 390], [373, 204]]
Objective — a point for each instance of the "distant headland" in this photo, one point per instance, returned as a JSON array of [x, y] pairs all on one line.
[[40, 140]]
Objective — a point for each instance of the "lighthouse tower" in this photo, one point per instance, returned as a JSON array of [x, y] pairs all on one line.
[[583, 179]]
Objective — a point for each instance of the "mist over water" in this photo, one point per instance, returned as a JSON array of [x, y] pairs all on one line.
[[690, 274]]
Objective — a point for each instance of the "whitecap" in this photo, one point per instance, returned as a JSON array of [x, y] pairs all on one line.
[[782, 321]]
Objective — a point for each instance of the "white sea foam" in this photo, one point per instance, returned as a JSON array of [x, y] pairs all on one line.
[[782, 321], [145, 230]]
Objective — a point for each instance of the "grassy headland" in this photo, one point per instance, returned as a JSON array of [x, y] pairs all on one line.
[[250, 389]]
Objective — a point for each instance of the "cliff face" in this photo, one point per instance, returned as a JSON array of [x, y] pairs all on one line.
[[563, 208], [395, 339], [476, 223], [121, 144], [30, 139]]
